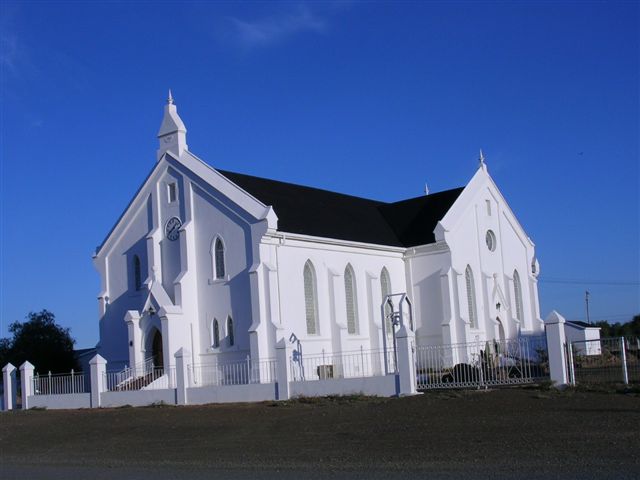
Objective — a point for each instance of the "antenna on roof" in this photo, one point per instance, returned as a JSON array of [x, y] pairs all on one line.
[[426, 188]]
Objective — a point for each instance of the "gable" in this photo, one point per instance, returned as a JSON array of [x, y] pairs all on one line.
[[188, 164]]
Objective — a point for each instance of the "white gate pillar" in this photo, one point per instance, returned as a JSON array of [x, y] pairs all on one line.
[[98, 369], [132, 319], [9, 380], [556, 347], [182, 357], [26, 381], [405, 344], [284, 351]]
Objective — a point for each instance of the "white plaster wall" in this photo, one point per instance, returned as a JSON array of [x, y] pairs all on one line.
[[118, 281], [383, 386], [329, 262], [57, 402], [575, 334], [217, 217], [231, 393], [170, 250], [138, 398], [425, 268]]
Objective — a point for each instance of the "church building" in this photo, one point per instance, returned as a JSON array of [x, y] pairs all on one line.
[[225, 265]]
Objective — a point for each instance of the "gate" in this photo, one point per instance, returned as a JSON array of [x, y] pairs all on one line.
[[606, 360], [482, 364]]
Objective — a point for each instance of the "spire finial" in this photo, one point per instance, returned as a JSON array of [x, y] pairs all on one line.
[[170, 99], [426, 188], [481, 159]]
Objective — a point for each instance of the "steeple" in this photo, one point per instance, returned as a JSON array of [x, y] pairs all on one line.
[[173, 133]]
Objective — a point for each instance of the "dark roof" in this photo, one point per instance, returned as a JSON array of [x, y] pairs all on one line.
[[414, 220], [321, 213], [84, 351], [578, 323]]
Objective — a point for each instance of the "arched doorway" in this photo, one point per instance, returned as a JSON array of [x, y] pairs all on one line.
[[156, 348]]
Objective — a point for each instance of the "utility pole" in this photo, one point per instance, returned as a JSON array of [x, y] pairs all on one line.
[[586, 301]]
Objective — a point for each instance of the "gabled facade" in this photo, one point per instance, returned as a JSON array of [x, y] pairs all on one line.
[[225, 265]]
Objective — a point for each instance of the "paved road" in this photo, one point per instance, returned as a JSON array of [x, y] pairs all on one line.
[[48, 472], [508, 434]]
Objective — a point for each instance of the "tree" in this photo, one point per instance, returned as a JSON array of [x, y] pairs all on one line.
[[628, 329], [41, 341]]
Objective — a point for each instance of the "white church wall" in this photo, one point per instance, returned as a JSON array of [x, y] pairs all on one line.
[[329, 262], [170, 249], [425, 267], [229, 296], [119, 283]]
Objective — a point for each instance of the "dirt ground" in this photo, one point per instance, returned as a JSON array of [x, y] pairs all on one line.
[[515, 433]]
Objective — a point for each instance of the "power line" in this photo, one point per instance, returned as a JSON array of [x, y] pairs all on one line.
[[605, 317], [590, 282]]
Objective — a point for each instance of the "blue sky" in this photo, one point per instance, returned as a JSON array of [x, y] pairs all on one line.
[[371, 99]]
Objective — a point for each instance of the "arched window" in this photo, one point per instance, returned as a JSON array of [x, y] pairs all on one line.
[[310, 298], [517, 288], [385, 288], [218, 255], [230, 334], [216, 333], [351, 300], [137, 273], [471, 298]]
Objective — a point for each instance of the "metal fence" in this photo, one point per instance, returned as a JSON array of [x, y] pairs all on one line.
[[233, 373], [154, 378], [605, 360], [58, 384], [479, 364], [355, 364]]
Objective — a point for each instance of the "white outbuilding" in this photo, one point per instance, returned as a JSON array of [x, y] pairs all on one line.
[[225, 265], [584, 337]]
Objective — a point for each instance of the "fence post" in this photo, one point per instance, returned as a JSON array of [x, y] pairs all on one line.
[[556, 341], [98, 368], [572, 372], [623, 350], [182, 356], [406, 368], [9, 380], [284, 351], [26, 381]]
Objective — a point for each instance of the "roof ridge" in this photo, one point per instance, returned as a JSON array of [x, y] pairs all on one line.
[[434, 194], [379, 202]]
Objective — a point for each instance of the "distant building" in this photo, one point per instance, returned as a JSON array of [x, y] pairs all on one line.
[[226, 265], [585, 335]]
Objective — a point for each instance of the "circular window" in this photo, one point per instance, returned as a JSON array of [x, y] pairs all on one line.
[[491, 240]]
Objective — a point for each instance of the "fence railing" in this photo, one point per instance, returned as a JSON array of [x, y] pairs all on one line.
[[605, 360], [354, 364], [134, 371], [232, 373], [59, 383], [154, 378], [482, 363]]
